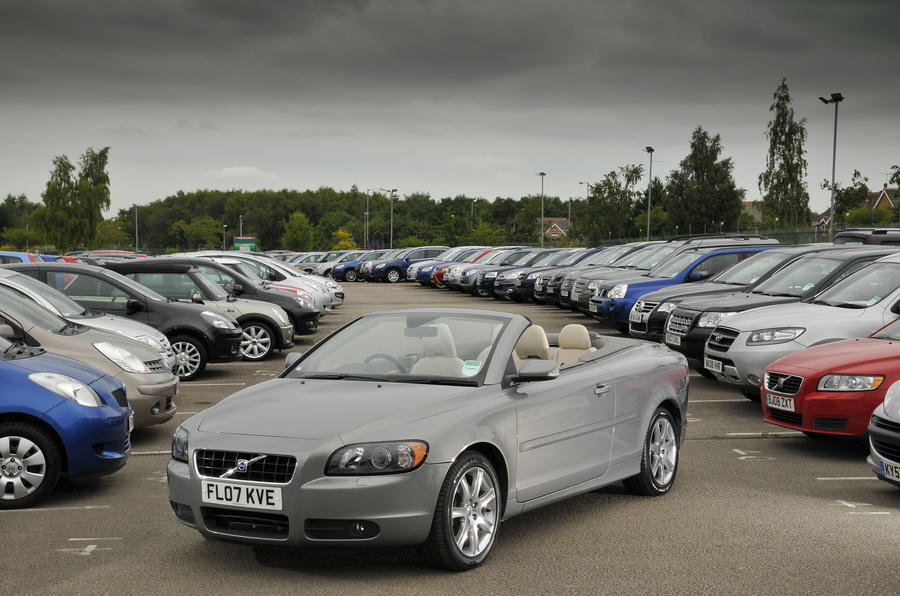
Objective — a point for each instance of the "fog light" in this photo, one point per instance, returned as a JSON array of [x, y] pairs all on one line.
[[154, 409], [754, 380]]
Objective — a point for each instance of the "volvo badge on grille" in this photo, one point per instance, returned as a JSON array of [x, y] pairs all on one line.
[[717, 337], [241, 465]]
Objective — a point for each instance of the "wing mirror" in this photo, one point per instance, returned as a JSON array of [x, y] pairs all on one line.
[[133, 305], [7, 332], [196, 298], [894, 309], [537, 370], [291, 358]]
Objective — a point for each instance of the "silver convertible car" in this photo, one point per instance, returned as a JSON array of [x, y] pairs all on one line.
[[428, 427]]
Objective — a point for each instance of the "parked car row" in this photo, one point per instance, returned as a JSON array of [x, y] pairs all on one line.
[[810, 330]]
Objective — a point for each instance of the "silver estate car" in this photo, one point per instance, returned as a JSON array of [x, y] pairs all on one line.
[[150, 386], [430, 426], [884, 437], [739, 350], [60, 304]]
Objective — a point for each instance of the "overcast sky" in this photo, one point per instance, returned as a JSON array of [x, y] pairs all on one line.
[[443, 96]]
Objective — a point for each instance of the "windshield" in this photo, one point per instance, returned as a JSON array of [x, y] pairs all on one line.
[[449, 254], [631, 259], [607, 256], [750, 270], [134, 286], [407, 348], [567, 259], [350, 256], [64, 305], [495, 257], [36, 315], [209, 287], [652, 258], [463, 256], [544, 259], [674, 266], [331, 256], [799, 277], [868, 286]]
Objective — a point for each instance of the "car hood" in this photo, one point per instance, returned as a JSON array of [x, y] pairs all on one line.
[[801, 314], [735, 302], [124, 326], [58, 364], [611, 273], [688, 290], [321, 409], [852, 356]]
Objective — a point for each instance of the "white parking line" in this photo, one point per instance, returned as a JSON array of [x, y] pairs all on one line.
[[91, 539], [43, 509], [215, 385], [185, 413], [790, 433], [848, 478], [870, 513], [716, 401], [161, 452]]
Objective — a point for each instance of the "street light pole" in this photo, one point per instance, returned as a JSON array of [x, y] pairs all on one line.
[[135, 228], [649, 150], [542, 174], [240, 225], [224, 228], [836, 98]]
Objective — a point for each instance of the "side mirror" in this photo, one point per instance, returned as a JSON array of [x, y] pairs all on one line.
[[133, 306], [7, 332], [894, 309], [196, 298], [291, 358], [696, 276], [237, 289], [537, 370]]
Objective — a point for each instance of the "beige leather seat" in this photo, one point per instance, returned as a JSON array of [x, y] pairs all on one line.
[[532, 344], [440, 355], [574, 342]]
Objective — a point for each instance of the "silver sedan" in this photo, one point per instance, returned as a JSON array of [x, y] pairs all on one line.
[[430, 426]]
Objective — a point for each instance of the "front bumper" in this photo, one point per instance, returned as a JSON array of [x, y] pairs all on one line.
[[651, 328], [286, 336], [884, 444], [845, 414], [304, 321], [401, 505], [96, 440], [612, 310], [744, 365], [225, 346], [151, 396], [504, 289]]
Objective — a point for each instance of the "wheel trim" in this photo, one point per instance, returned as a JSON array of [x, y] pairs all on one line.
[[187, 358], [350, 275], [256, 342], [473, 513], [22, 467], [663, 452], [393, 275]]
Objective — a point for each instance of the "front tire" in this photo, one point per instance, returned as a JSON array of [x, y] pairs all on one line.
[[257, 341], [467, 515], [190, 357], [392, 275], [659, 459], [750, 392], [30, 464], [350, 275]]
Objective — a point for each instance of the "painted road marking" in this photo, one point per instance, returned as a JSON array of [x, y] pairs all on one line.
[[87, 551], [216, 384], [792, 433], [161, 452], [749, 455], [93, 539], [716, 401], [848, 478], [852, 505], [870, 513], [43, 509]]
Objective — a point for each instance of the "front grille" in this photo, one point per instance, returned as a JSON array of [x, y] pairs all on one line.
[[273, 468], [721, 339], [830, 423], [679, 324], [246, 523], [644, 307], [567, 283], [888, 450], [579, 287], [783, 383], [170, 404], [792, 418], [879, 422], [601, 292], [156, 366], [121, 397]]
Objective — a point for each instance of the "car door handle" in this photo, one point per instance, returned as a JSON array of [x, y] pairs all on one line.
[[601, 389]]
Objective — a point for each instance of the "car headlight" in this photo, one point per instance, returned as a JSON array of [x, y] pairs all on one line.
[[510, 274], [426, 269], [778, 335], [712, 319], [892, 399], [532, 275], [303, 302], [122, 357], [593, 285], [180, 444], [490, 274], [666, 307], [217, 320], [338, 268], [377, 458], [146, 339], [67, 387], [850, 382], [618, 291], [379, 266], [282, 316], [331, 284]]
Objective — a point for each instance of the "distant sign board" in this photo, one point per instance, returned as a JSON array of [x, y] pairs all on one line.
[[243, 243]]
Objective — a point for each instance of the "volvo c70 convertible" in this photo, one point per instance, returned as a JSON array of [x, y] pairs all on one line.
[[429, 427]]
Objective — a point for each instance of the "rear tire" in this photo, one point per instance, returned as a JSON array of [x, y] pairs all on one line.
[[350, 275], [392, 275], [190, 357], [659, 458], [257, 341], [467, 515], [30, 464]]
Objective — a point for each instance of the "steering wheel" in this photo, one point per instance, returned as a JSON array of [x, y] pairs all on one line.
[[389, 358]]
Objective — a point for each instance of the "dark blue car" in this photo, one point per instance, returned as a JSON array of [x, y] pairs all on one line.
[[58, 417], [615, 298], [394, 269]]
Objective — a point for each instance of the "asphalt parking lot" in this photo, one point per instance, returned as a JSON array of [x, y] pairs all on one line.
[[755, 509]]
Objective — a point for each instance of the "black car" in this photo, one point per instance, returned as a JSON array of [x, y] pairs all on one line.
[[197, 334], [691, 323], [647, 319], [527, 280], [559, 283], [239, 282], [499, 281]]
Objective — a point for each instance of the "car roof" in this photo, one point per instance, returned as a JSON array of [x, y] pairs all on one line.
[[159, 264], [451, 311], [60, 265], [866, 250]]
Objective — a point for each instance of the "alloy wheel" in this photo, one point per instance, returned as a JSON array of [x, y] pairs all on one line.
[[256, 342], [22, 467], [187, 359], [663, 451], [350, 275], [473, 513], [393, 276]]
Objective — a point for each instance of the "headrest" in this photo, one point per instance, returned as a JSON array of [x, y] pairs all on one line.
[[574, 337], [533, 344], [441, 344]]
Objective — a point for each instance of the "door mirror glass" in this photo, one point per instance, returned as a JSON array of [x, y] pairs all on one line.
[[133, 306], [537, 370], [196, 298]]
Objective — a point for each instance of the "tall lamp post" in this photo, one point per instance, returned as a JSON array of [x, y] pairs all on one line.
[[542, 174], [240, 225], [649, 150], [224, 228], [135, 229], [836, 98], [588, 189]]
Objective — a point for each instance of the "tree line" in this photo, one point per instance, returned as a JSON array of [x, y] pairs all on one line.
[[700, 195]]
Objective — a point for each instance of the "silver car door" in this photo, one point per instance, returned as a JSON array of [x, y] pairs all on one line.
[[565, 430]]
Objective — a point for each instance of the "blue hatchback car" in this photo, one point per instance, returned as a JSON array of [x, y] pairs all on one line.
[[614, 299], [58, 417], [7, 256]]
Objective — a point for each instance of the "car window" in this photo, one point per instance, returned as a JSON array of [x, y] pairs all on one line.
[[88, 290], [27, 309], [867, 287], [179, 286], [217, 275], [8, 259], [798, 277], [59, 301], [674, 266], [432, 252], [751, 269], [714, 264]]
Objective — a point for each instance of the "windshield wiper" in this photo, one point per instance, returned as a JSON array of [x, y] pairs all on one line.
[[849, 305], [432, 381], [825, 302], [781, 295], [340, 376]]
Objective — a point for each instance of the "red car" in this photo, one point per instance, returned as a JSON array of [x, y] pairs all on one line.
[[832, 389], [437, 276]]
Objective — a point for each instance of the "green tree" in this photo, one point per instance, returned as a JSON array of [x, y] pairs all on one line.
[[59, 215], [343, 240], [783, 183], [92, 195], [298, 233], [848, 198], [702, 190], [201, 233], [14, 210], [486, 234], [865, 216], [21, 238], [111, 235], [615, 198], [895, 176]]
